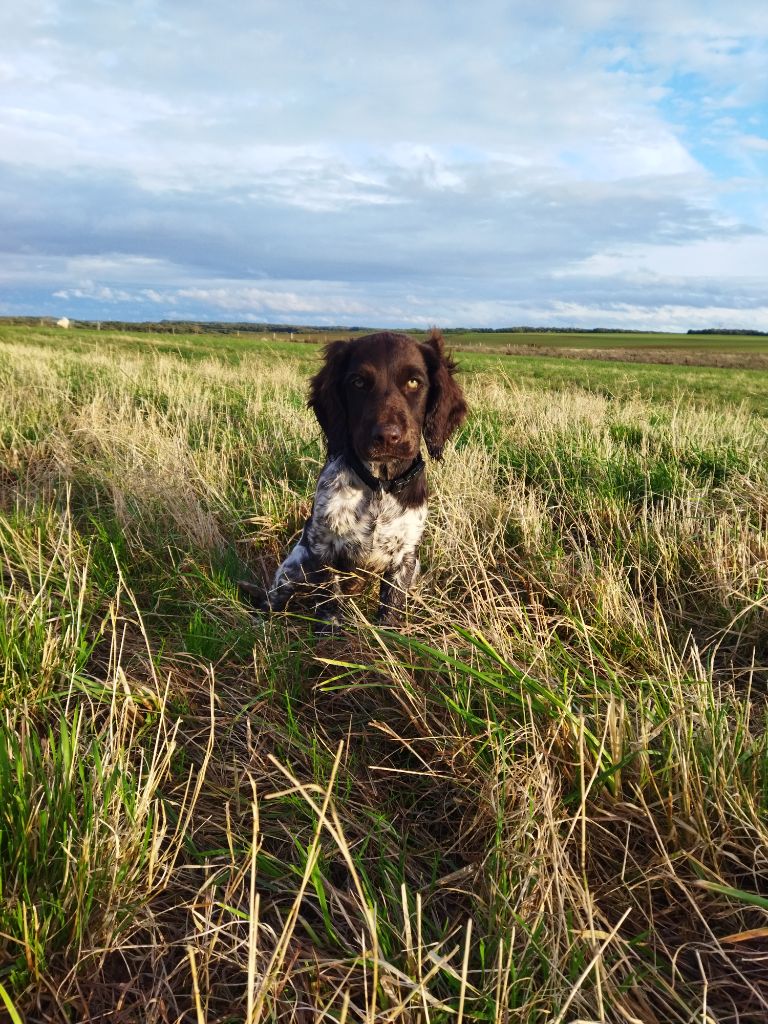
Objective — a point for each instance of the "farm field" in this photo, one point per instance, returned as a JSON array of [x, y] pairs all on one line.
[[543, 801], [619, 339], [705, 385]]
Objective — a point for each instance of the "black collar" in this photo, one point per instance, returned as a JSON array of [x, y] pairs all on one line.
[[388, 486]]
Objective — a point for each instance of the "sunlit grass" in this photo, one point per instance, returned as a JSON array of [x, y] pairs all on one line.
[[544, 800]]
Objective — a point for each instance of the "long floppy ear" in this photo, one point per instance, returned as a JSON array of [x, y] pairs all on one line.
[[326, 398], [446, 407]]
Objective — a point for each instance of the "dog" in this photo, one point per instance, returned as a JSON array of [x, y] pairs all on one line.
[[375, 397]]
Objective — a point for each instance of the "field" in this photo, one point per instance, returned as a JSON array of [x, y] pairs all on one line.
[[622, 340], [543, 801]]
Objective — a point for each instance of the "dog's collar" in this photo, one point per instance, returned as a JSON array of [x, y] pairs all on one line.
[[388, 486]]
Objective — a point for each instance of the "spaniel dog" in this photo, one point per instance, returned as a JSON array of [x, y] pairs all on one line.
[[375, 397]]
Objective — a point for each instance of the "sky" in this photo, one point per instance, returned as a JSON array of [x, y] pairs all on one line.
[[490, 164]]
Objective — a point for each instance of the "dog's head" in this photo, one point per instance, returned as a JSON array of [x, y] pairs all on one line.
[[379, 394]]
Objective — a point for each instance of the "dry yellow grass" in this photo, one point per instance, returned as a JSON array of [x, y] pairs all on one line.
[[543, 801]]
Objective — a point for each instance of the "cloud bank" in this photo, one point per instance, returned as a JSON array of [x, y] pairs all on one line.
[[386, 164]]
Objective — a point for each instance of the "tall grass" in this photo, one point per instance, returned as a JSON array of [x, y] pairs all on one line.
[[543, 801]]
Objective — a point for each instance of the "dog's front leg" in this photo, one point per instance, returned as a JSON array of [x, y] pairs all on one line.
[[327, 604], [395, 584], [299, 572], [303, 574]]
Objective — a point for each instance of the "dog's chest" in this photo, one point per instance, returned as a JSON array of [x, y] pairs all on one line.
[[372, 530]]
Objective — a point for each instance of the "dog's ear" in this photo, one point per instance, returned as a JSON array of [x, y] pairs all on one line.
[[326, 398], [446, 407]]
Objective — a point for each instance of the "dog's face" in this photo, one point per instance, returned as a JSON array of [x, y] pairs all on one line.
[[379, 394], [385, 389]]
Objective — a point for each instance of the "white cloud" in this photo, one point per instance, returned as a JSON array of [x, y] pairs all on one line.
[[247, 300], [723, 259], [411, 158], [754, 142], [101, 293]]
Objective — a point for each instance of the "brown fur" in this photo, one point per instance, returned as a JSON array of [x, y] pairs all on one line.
[[381, 420], [374, 397]]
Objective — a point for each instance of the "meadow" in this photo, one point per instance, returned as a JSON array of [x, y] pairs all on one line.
[[543, 801]]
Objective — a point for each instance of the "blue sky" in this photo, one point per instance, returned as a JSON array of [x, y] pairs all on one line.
[[592, 163]]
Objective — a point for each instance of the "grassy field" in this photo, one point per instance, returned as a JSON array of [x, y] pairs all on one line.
[[543, 801], [589, 340], [703, 385]]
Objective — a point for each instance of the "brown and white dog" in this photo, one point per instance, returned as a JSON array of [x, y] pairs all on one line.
[[375, 398]]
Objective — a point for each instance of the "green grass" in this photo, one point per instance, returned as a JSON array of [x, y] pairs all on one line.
[[192, 346], [543, 801], [655, 384], [707, 385], [634, 340]]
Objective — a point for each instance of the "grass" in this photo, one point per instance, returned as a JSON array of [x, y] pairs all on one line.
[[543, 801], [704, 385], [606, 340]]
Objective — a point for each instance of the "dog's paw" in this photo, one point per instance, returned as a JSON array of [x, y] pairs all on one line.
[[390, 619], [328, 625], [255, 595]]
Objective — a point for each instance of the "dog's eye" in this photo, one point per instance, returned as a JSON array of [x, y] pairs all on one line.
[[357, 382], [413, 384]]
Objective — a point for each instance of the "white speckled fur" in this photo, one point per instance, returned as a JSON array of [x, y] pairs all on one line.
[[371, 529], [352, 526]]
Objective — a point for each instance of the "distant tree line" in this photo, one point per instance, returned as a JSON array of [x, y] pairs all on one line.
[[726, 330], [171, 326], [546, 330], [248, 327]]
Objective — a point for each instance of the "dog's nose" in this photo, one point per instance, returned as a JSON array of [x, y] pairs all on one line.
[[387, 434]]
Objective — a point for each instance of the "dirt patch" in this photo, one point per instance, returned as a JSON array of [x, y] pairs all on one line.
[[668, 356]]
